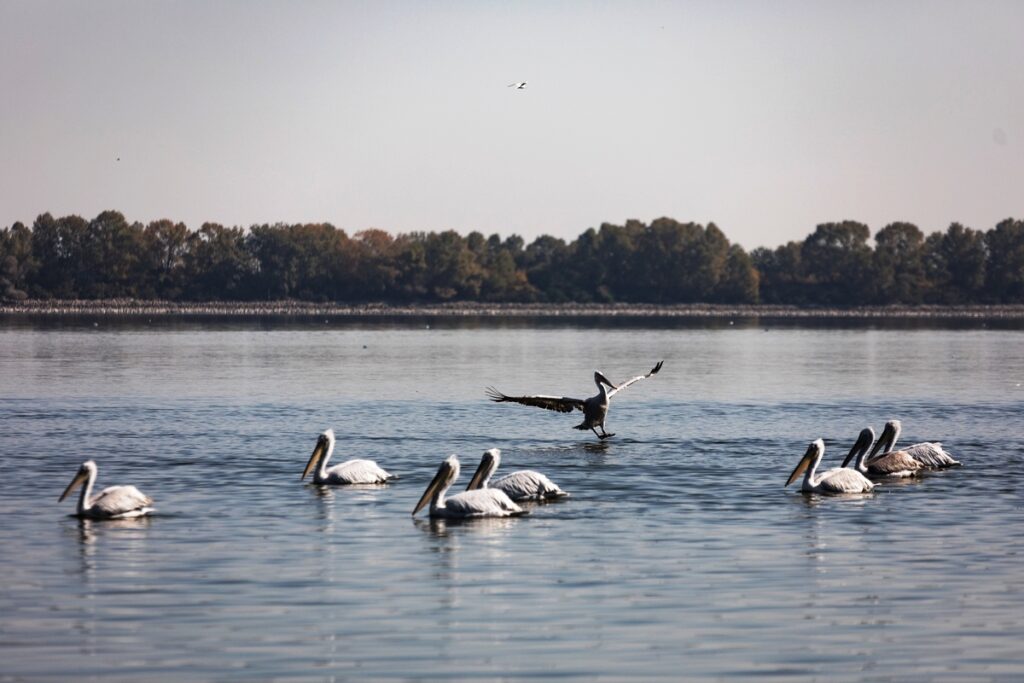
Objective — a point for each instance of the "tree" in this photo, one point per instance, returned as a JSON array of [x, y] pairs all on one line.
[[836, 261], [1004, 280], [955, 263], [898, 265]]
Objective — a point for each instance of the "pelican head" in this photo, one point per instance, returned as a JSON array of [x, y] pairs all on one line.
[[489, 463], [87, 469], [323, 447], [813, 455], [863, 443], [600, 379], [890, 433], [446, 475]]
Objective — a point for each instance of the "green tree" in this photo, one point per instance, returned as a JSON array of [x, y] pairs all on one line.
[[836, 261], [898, 265], [955, 264], [1004, 280]]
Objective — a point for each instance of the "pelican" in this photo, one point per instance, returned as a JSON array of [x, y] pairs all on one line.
[[931, 455], [479, 503], [888, 465], [348, 472], [835, 480], [519, 485], [521, 85], [113, 502], [595, 408]]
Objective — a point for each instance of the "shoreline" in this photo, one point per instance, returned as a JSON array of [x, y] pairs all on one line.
[[129, 308]]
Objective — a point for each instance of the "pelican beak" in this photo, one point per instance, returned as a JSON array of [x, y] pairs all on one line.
[[604, 379], [885, 438], [318, 452], [439, 479], [75, 483], [863, 443], [481, 472], [801, 466]]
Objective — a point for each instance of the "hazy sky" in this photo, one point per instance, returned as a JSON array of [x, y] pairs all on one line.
[[764, 117]]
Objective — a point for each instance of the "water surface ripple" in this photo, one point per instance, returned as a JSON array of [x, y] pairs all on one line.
[[679, 554]]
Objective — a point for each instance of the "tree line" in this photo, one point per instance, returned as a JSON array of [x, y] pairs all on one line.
[[662, 262]]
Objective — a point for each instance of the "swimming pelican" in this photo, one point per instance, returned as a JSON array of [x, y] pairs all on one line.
[[348, 472], [835, 480], [113, 502], [930, 454], [889, 465], [519, 485], [479, 503], [595, 408]]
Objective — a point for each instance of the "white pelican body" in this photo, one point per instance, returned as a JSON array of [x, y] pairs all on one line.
[[930, 455], [479, 503], [113, 502], [595, 408], [835, 480], [519, 485], [889, 465], [349, 472]]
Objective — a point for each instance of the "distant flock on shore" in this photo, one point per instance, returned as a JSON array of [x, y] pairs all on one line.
[[859, 472]]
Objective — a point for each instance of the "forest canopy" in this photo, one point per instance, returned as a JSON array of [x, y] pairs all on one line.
[[662, 262]]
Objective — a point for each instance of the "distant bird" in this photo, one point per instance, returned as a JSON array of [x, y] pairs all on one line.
[[519, 485], [835, 480], [931, 455], [886, 466], [113, 502], [348, 472], [479, 503], [518, 86], [595, 408]]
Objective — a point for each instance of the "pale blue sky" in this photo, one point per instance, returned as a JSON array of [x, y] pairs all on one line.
[[764, 117]]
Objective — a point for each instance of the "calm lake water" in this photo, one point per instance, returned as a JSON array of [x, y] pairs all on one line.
[[679, 554]]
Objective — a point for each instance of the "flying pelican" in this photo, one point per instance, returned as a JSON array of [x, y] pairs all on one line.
[[595, 408], [348, 472], [930, 454], [521, 85], [113, 502], [479, 503], [835, 480], [519, 485], [888, 465]]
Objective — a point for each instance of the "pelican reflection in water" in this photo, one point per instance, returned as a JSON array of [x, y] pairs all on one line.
[[519, 485], [595, 408], [465, 505], [349, 472], [113, 502], [835, 480]]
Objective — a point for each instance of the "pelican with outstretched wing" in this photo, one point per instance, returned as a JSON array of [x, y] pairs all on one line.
[[468, 504], [519, 485], [349, 472], [595, 408], [835, 480], [931, 455], [113, 502]]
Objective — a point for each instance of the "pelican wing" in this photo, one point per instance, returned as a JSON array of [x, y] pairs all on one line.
[[636, 379], [481, 503], [528, 485], [894, 464], [844, 480], [931, 455], [119, 500], [562, 404], [357, 472]]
